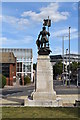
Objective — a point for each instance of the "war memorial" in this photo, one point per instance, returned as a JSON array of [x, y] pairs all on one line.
[[44, 95]]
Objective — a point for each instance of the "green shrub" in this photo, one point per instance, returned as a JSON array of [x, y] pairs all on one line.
[[27, 80], [2, 81]]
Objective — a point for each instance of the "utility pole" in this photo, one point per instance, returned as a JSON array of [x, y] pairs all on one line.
[[77, 77], [66, 66], [63, 53], [69, 55]]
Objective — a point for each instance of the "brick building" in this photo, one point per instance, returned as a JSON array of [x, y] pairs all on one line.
[[24, 64], [8, 64]]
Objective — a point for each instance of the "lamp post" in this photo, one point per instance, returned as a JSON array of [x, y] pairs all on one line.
[[63, 53], [77, 77], [66, 65], [63, 57], [69, 55]]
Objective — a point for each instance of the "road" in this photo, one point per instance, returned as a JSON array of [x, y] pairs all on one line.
[[13, 94], [27, 90], [18, 94], [18, 91]]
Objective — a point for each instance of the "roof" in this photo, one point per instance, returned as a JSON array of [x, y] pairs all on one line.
[[7, 57], [19, 52], [56, 57]]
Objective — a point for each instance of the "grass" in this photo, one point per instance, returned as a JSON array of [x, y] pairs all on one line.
[[39, 112]]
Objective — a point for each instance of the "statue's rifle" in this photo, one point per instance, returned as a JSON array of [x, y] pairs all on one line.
[[48, 31]]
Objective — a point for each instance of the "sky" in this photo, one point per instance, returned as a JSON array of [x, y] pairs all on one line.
[[22, 22]]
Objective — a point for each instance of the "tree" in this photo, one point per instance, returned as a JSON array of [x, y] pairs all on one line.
[[57, 69], [34, 66], [2, 81], [73, 69], [79, 64], [27, 80]]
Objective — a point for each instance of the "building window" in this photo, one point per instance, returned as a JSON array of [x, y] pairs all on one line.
[[19, 67], [5, 69]]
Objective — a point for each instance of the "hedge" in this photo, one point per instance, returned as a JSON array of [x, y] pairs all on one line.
[[2, 81], [26, 80]]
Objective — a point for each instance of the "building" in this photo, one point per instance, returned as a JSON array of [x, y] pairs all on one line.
[[57, 58], [8, 64], [24, 63], [73, 58]]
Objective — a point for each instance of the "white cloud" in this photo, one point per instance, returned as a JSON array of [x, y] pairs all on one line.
[[74, 35], [51, 10], [28, 39], [65, 32], [10, 19], [57, 51], [0, 18], [28, 17], [3, 38], [19, 23], [18, 42], [74, 52], [74, 6]]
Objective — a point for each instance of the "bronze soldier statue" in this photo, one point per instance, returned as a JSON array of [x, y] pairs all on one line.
[[44, 39]]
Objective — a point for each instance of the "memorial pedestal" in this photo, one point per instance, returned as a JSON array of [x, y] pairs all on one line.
[[44, 95], [44, 83]]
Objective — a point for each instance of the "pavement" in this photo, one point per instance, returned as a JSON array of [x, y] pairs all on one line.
[[15, 95], [63, 90]]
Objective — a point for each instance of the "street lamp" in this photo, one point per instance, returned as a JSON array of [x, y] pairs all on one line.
[[66, 65], [63, 53], [77, 77], [69, 55]]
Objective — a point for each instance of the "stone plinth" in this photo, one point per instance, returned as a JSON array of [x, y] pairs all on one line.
[[44, 95], [44, 83], [43, 103]]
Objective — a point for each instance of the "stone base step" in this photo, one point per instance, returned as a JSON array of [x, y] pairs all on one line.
[[43, 103]]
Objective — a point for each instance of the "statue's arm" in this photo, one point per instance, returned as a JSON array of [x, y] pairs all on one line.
[[39, 35], [48, 33]]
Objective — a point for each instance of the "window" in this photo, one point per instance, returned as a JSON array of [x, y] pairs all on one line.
[[5, 69]]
